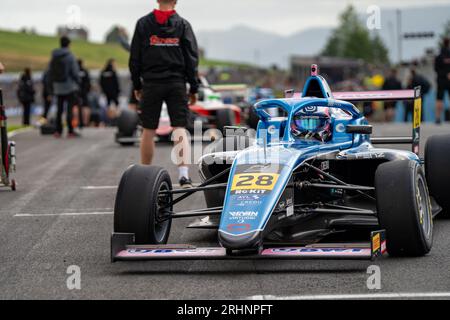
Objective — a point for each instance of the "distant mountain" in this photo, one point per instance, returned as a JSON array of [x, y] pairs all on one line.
[[249, 45], [245, 44]]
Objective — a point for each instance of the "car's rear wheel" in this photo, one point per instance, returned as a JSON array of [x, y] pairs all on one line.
[[224, 118], [253, 118], [404, 208], [140, 202], [127, 123], [437, 169]]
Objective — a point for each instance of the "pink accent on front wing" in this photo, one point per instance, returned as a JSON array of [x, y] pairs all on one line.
[[317, 252], [172, 253]]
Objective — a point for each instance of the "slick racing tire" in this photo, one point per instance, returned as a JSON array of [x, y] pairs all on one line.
[[127, 123], [138, 207], [437, 158], [404, 208], [224, 118], [253, 118], [119, 135]]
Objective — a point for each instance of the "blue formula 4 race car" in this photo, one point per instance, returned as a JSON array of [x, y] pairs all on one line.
[[312, 186]]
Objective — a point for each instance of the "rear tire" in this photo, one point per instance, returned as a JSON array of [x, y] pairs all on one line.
[[137, 206], [224, 118], [404, 208], [253, 118], [122, 143], [437, 158], [127, 123]]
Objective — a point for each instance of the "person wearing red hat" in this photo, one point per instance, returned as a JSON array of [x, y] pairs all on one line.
[[163, 58]]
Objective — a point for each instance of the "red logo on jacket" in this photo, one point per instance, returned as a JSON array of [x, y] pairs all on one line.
[[166, 42]]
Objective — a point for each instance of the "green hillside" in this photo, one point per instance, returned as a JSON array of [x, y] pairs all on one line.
[[19, 50]]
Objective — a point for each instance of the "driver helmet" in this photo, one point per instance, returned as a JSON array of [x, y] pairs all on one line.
[[313, 123]]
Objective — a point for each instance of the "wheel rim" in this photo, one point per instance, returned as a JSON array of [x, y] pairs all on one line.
[[424, 207], [161, 227]]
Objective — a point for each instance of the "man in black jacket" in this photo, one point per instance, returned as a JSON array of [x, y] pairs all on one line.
[[391, 83], [416, 80], [26, 93], [65, 79], [84, 111], [163, 57], [442, 68]]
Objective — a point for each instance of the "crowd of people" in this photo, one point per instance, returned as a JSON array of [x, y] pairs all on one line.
[[68, 84]]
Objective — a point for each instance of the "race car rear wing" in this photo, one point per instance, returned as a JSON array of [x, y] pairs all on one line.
[[123, 248], [394, 95]]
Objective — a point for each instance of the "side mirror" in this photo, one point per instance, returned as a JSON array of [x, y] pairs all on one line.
[[359, 129]]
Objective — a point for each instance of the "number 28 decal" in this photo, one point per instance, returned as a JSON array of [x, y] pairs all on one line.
[[254, 181]]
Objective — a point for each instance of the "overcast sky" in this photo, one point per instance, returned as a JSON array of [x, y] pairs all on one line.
[[279, 16]]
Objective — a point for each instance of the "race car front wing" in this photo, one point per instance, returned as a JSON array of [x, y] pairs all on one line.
[[123, 248]]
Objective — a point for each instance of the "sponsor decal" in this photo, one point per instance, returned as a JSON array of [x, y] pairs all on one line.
[[248, 203], [311, 109], [239, 227], [272, 130], [363, 155], [164, 42], [417, 113], [383, 247], [325, 165], [290, 207], [340, 128], [243, 215], [332, 103], [248, 198], [254, 181], [313, 250], [259, 168], [172, 251], [250, 192], [376, 243]]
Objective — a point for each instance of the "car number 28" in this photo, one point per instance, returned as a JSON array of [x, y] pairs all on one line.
[[254, 181]]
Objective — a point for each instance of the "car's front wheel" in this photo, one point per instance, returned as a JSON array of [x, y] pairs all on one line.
[[141, 204], [404, 208]]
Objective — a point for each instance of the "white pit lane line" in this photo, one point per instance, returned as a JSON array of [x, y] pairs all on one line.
[[98, 187], [399, 295], [64, 214]]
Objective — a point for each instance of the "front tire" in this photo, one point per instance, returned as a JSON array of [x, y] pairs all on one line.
[[404, 208], [437, 158], [138, 204]]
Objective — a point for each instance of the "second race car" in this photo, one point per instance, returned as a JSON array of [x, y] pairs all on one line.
[[210, 111]]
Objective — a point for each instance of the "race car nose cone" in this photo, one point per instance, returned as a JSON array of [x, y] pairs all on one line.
[[246, 241]]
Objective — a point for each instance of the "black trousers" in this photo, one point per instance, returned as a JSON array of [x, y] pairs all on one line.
[[26, 113], [409, 110], [65, 103], [47, 105]]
